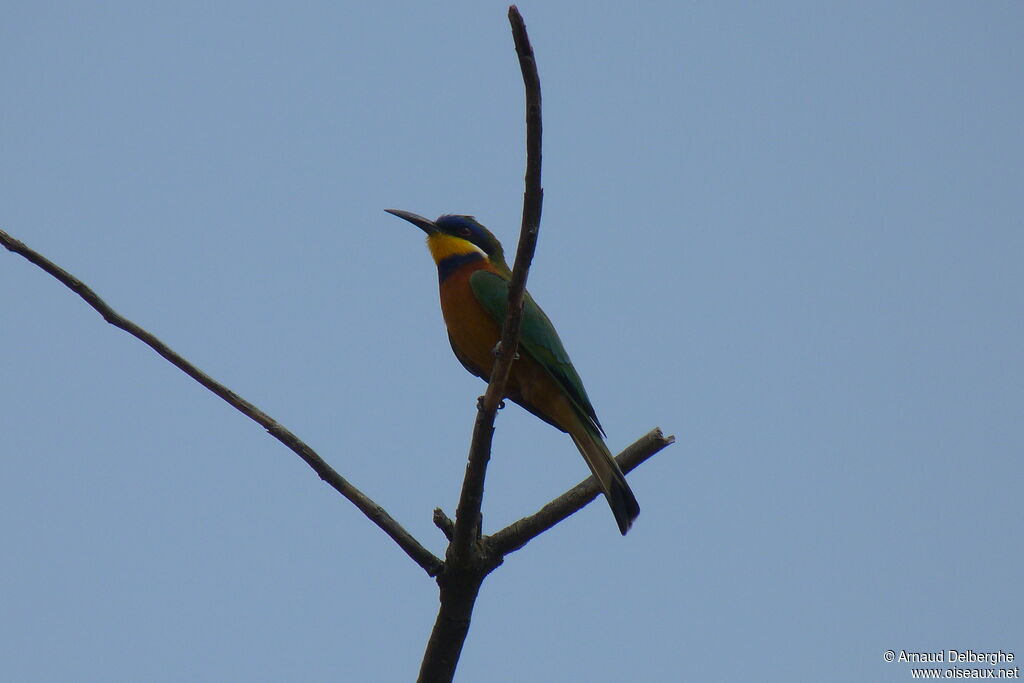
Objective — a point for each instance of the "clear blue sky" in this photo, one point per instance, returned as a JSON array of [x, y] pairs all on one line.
[[789, 233]]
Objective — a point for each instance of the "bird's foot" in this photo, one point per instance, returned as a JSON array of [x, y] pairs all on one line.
[[497, 349], [480, 403]]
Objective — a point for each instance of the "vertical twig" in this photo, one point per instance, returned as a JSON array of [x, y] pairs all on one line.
[[467, 562], [467, 518]]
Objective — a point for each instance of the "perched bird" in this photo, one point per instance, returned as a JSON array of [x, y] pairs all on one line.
[[474, 282]]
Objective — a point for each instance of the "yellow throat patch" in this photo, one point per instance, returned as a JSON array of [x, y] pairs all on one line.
[[442, 246]]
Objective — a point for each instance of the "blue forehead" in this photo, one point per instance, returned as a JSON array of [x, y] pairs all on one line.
[[450, 223]]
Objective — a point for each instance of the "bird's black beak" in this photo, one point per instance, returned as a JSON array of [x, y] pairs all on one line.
[[424, 224]]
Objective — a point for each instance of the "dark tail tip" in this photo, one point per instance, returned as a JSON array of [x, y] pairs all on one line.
[[623, 504]]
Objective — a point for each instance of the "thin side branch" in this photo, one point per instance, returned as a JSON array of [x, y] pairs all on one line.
[[516, 535], [467, 516], [423, 557], [444, 523]]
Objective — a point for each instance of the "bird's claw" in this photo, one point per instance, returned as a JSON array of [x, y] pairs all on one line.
[[480, 403]]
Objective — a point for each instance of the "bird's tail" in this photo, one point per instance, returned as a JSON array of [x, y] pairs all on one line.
[[606, 470]]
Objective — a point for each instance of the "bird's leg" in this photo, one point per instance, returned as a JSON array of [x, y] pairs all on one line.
[[497, 349]]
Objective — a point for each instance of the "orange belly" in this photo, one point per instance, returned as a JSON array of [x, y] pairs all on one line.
[[474, 334], [471, 329]]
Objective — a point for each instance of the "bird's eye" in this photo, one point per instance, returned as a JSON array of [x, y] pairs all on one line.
[[465, 232]]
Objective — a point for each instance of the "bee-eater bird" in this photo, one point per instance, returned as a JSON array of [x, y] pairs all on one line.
[[474, 282]]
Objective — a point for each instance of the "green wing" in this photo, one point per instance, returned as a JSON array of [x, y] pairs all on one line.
[[537, 337]]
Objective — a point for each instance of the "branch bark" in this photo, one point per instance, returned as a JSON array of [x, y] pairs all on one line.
[[423, 557]]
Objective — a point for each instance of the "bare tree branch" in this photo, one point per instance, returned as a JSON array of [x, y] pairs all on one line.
[[467, 515], [516, 535], [423, 557]]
